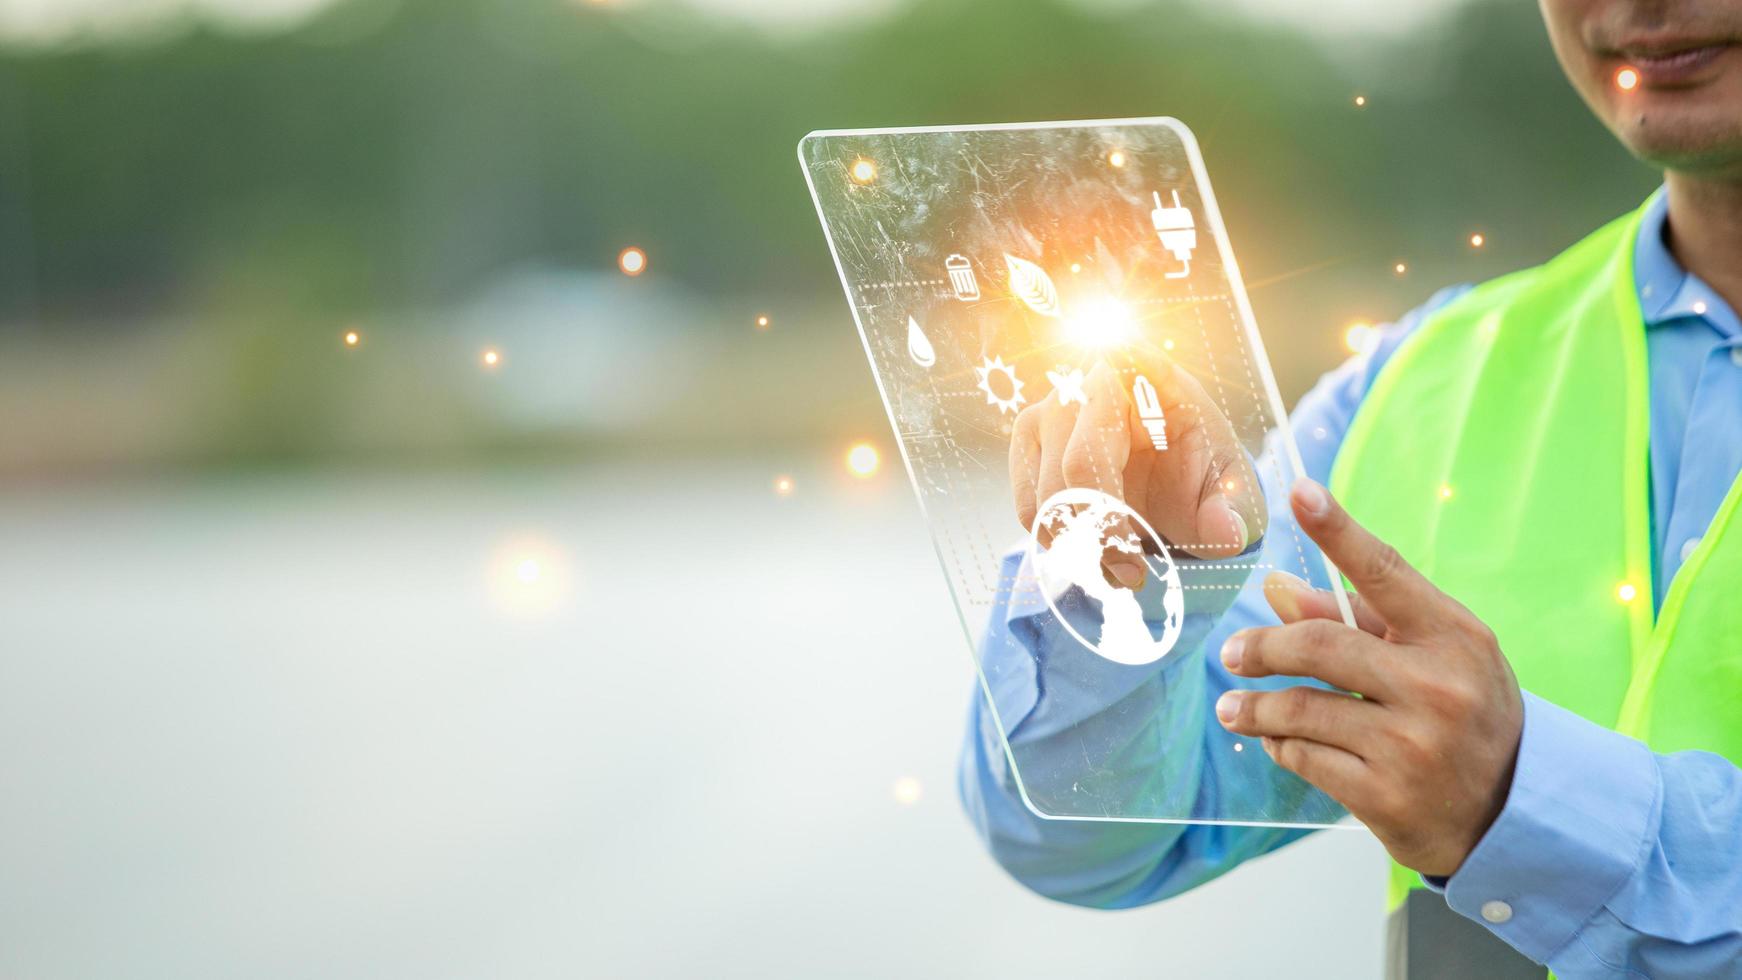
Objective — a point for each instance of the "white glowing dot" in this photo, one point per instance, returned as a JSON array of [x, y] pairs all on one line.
[[1076, 267], [1445, 492], [1100, 323], [907, 791], [1360, 101], [1360, 337], [528, 577], [1478, 240], [1167, 344], [632, 261], [1626, 593], [353, 338], [1627, 79], [1700, 308], [491, 357], [1116, 158], [863, 171], [1239, 747], [1400, 269], [762, 322], [862, 459], [783, 485]]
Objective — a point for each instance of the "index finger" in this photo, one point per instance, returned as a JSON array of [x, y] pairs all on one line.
[[1400, 594]]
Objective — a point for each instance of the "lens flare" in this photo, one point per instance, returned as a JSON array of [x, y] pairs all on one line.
[[353, 338], [862, 460], [632, 261], [863, 171], [1360, 337], [1627, 79], [1478, 240], [1100, 323]]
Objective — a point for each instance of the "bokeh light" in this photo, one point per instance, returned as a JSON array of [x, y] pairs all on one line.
[[528, 576], [1477, 240], [1360, 102], [907, 791], [1360, 337], [783, 485], [1627, 592], [863, 171], [863, 459], [1627, 79], [1399, 269], [491, 357], [353, 338], [632, 260], [762, 322], [1116, 158]]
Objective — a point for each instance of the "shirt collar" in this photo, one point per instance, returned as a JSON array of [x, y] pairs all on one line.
[[1667, 292]]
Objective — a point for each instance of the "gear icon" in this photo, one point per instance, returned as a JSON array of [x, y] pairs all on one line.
[[996, 365]]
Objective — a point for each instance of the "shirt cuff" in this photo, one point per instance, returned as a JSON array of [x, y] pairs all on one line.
[[1583, 806]]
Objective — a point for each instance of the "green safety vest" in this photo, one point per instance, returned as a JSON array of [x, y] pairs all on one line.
[[1504, 452]]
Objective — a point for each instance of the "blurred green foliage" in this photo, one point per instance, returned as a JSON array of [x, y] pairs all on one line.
[[394, 157]]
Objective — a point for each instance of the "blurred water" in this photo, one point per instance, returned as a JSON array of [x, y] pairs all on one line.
[[628, 720]]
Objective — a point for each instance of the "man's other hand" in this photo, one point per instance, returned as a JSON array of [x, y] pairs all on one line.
[[1424, 755]]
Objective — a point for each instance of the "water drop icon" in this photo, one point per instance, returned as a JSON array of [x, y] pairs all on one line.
[[918, 347]]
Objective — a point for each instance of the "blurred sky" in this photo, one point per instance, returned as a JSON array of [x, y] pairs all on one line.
[[57, 20]]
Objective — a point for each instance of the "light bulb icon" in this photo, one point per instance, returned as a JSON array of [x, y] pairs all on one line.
[[1178, 232], [1149, 412]]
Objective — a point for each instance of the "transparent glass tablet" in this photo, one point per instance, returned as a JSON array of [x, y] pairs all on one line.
[[1068, 357]]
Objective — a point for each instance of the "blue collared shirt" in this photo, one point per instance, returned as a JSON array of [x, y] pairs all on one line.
[[1607, 860]]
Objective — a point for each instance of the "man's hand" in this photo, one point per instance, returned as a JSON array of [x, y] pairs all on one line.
[[1200, 493], [1424, 756]]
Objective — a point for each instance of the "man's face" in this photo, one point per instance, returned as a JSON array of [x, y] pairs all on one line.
[[1684, 110]]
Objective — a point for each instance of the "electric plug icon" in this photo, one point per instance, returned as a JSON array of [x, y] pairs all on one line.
[[1177, 231]]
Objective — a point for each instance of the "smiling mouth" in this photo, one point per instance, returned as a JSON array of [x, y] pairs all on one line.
[[1671, 64]]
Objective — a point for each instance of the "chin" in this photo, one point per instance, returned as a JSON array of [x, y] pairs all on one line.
[[1684, 139]]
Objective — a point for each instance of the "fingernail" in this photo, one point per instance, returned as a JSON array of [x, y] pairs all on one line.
[[1129, 573], [1240, 528], [1228, 705], [1311, 497], [1284, 592], [1232, 650]]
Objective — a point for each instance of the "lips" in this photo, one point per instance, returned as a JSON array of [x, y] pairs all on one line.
[[1672, 64]]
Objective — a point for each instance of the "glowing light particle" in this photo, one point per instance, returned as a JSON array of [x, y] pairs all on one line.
[[762, 322], [1627, 592], [1360, 337], [528, 577], [1100, 323], [1238, 747], [907, 791], [1445, 492], [1478, 240], [1116, 158], [863, 171], [1700, 308], [1360, 102], [353, 338], [1627, 79], [1399, 269], [632, 260], [1167, 344], [783, 485], [862, 460], [491, 357], [1076, 267]]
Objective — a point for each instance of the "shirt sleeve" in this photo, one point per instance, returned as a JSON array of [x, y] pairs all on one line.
[[1043, 692], [1608, 860]]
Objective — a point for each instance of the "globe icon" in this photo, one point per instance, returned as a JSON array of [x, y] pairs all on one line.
[[1085, 524]]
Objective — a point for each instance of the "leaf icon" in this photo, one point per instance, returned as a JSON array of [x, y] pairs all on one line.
[[1032, 285], [918, 347]]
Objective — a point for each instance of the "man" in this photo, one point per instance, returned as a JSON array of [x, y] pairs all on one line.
[[1548, 561]]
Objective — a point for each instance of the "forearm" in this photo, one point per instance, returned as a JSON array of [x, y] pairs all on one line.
[[1608, 860]]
